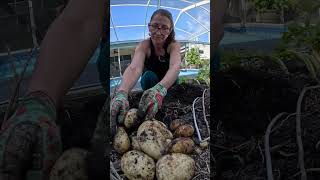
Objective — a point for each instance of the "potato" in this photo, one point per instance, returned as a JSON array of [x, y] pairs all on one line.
[[185, 130], [161, 123], [131, 119], [175, 166], [153, 138], [70, 165], [121, 142], [135, 143], [181, 145], [156, 124], [137, 165], [176, 123]]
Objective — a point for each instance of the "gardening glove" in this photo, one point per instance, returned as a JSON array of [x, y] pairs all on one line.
[[30, 141], [151, 101], [119, 109]]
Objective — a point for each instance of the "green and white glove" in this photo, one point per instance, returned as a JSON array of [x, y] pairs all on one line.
[[151, 101], [119, 109], [30, 140]]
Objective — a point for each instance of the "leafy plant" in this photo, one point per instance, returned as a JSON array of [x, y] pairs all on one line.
[[263, 5], [307, 8], [302, 41], [204, 72], [193, 57]]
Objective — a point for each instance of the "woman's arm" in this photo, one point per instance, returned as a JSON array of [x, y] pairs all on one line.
[[174, 68], [67, 47], [134, 70]]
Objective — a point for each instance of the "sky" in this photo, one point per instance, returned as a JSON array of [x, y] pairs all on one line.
[[185, 28]]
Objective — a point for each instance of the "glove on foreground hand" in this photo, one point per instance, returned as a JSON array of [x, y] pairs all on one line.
[[151, 101], [119, 109], [30, 140]]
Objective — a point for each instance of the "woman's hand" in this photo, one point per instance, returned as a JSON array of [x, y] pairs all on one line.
[[119, 109], [30, 141], [151, 101]]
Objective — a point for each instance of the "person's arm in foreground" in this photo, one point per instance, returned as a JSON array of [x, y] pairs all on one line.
[[67, 47], [151, 100], [30, 140]]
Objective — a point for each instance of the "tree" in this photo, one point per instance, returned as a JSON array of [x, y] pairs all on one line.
[[278, 5], [193, 57]]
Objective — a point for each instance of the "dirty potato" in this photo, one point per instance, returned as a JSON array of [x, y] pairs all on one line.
[[176, 123], [70, 165], [159, 122], [121, 142], [185, 130], [175, 166], [135, 143], [153, 138], [156, 124], [138, 166], [131, 118], [181, 145]]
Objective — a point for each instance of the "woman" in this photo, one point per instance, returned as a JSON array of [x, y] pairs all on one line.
[[158, 60]]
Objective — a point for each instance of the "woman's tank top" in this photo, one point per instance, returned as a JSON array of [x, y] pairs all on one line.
[[157, 64]]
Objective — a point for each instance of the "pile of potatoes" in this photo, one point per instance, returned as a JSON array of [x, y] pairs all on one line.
[[154, 150]]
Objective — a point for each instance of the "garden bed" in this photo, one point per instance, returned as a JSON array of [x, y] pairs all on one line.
[[178, 105], [245, 100]]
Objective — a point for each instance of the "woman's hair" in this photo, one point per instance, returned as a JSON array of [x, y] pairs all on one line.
[[166, 13]]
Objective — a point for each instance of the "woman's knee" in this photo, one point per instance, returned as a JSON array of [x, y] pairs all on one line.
[[148, 80]]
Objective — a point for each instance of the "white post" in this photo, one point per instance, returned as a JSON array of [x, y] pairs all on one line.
[[119, 62], [33, 25]]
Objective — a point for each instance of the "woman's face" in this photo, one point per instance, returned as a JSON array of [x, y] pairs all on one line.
[[159, 28]]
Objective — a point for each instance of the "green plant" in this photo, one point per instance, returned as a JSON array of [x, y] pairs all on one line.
[[302, 41], [193, 57], [204, 72], [262, 5], [307, 8]]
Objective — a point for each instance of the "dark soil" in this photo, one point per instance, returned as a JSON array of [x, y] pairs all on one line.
[[245, 100]]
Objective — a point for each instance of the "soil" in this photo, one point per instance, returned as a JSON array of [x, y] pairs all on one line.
[[245, 99], [178, 105]]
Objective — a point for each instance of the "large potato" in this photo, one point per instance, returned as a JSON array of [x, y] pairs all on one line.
[[175, 166], [131, 119], [181, 145], [153, 138], [70, 165], [185, 130], [137, 165], [176, 123], [121, 142], [158, 125]]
